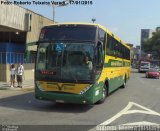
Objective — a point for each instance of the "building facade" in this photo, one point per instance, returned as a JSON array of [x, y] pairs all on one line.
[[145, 35], [19, 28]]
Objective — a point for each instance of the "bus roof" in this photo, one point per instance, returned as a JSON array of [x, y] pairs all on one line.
[[92, 24]]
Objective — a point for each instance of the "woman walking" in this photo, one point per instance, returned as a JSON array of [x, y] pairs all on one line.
[[12, 75]]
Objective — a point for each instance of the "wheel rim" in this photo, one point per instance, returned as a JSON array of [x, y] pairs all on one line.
[[104, 93]]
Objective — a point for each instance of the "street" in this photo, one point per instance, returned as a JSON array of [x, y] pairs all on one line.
[[137, 104]]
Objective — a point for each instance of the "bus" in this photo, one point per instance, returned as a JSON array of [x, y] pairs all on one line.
[[144, 65], [79, 63]]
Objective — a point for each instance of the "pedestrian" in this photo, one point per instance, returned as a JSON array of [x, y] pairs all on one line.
[[12, 75], [20, 73]]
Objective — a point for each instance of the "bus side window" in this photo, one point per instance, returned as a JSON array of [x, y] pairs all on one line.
[[102, 37], [99, 54], [109, 45], [113, 47], [118, 50]]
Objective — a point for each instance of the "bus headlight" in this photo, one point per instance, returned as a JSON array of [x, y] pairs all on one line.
[[85, 89], [39, 85]]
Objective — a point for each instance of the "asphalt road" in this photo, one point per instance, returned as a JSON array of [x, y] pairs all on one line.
[[137, 104]]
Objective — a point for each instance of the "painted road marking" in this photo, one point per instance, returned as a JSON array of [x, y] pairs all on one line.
[[127, 110], [144, 111]]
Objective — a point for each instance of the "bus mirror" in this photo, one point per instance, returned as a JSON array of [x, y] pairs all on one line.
[[100, 44]]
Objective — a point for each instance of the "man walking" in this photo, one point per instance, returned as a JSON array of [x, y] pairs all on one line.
[[20, 72]]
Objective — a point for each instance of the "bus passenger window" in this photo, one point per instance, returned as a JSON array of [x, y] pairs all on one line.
[[100, 54]]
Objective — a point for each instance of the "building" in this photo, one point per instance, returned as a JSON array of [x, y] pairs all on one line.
[[19, 29], [157, 29], [145, 35], [136, 56]]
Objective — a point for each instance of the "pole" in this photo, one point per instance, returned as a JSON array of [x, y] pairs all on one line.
[[54, 5], [53, 13]]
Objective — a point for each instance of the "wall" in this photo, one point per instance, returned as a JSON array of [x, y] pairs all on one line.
[[37, 22], [12, 16], [3, 74], [28, 72]]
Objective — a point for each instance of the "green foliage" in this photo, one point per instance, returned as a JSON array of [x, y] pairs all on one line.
[[153, 44], [27, 55], [147, 46]]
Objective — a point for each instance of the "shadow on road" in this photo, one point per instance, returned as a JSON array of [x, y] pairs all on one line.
[[134, 71], [149, 78], [144, 77], [28, 102]]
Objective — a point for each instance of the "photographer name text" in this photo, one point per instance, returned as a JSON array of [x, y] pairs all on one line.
[[60, 3]]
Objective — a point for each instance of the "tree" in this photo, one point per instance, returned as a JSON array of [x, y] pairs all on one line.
[[153, 44]]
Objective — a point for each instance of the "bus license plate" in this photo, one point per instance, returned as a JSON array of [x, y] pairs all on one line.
[[60, 101]]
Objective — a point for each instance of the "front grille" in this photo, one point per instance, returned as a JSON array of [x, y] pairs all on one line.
[[59, 92]]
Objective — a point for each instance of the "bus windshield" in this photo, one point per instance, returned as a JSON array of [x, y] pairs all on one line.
[[76, 33], [65, 61]]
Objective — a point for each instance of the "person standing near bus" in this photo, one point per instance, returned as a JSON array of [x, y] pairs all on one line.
[[12, 75], [20, 72]]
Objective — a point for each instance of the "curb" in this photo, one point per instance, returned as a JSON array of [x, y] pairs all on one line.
[[25, 88], [17, 89]]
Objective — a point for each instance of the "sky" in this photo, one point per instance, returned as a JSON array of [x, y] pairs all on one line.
[[124, 18]]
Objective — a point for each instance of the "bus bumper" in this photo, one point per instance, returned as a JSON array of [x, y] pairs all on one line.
[[64, 97]]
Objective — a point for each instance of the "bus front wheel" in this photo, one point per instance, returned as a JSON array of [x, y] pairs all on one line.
[[124, 84], [104, 95]]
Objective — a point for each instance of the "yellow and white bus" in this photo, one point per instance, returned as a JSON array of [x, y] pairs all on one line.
[[79, 63]]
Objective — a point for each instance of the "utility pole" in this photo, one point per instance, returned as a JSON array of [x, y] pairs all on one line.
[[53, 12], [66, 2]]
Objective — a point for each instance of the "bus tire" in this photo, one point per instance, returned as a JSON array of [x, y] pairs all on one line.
[[104, 95], [124, 83]]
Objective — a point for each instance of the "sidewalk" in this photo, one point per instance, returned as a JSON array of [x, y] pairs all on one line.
[[27, 85]]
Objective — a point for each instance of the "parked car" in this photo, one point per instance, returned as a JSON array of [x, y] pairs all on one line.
[[153, 73], [157, 68]]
